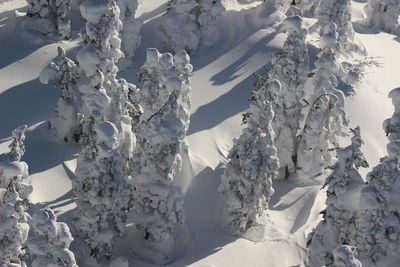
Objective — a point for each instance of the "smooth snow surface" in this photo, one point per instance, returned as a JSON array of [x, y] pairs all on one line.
[[221, 84]]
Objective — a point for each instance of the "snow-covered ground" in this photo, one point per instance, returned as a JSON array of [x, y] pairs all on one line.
[[221, 84]]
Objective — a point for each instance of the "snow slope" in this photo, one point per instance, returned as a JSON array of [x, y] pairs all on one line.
[[221, 84]]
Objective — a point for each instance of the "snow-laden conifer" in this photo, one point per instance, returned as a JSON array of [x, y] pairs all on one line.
[[290, 67], [161, 134], [49, 241], [326, 118], [17, 146], [14, 190], [345, 256], [191, 23], [130, 32], [209, 13], [107, 139], [338, 12], [391, 126], [180, 26], [383, 15], [252, 164], [50, 16], [379, 223], [66, 123], [338, 225]]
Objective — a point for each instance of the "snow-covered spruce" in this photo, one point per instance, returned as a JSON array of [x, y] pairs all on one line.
[[130, 32], [161, 137], [107, 139], [49, 241], [344, 256], [338, 225], [102, 48], [180, 26], [15, 172], [252, 164], [306, 6], [209, 13], [191, 23], [392, 125], [383, 15], [50, 16], [326, 119], [379, 223], [14, 190], [101, 213], [66, 123], [290, 67], [338, 12], [17, 146]]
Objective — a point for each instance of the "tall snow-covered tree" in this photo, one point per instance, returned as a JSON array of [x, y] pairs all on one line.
[[379, 223], [130, 32], [180, 26], [14, 227], [66, 123], [158, 202], [49, 241], [383, 15], [107, 139], [50, 16], [252, 164], [338, 12], [14, 190], [209, 13], [290, 67], [344, 256], [191, 23], [338, 225], [326, 118]]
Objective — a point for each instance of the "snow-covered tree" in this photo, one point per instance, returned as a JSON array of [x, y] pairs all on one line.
[[130, 32], [14, 227], [209, 13], [101, 212], [107, 139], [17, 146], [344, 256], [338, 12], [191, 23], [392, 125], [50, 16], [338, 225], [14, 190], [180, 26], [290, 67], [153, 76], [326, 118], [252, 164], [379, 223], [161, 135], [49, 241], [66, 123], [383, 14], [307, 6]]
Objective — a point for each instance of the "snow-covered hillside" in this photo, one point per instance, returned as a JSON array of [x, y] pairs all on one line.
[[221, 84]]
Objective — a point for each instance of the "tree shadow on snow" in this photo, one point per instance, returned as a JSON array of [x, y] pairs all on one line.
[[27, 103], [201, 208], [16, 41], [230, 73], [43, 153]]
